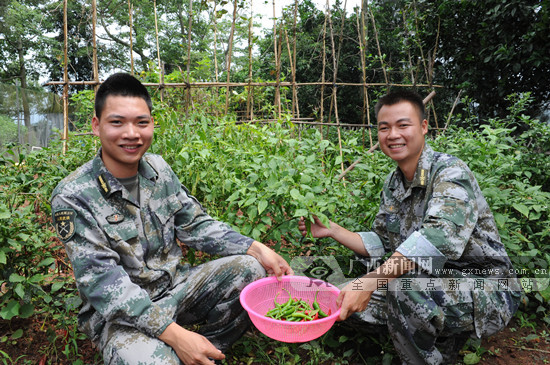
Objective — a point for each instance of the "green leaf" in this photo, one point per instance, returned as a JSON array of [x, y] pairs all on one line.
[[46, 262], [27, 310], [3, 259], [19, 290], [295, 194], [16, 278], [500, 219], [17, 334], [24, 237], [233, 196], [261, 206], [57, 285], [324, 219], [10, 310], [471, 358], [301, 213], [522, 209]]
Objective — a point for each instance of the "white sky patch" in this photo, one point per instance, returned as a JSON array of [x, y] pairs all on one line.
[[264, 8]]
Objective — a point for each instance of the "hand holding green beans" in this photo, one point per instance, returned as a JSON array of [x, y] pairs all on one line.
[[296, 310]]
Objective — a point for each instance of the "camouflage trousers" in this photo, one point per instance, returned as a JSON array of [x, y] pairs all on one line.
[[431, 326], [205, 300]]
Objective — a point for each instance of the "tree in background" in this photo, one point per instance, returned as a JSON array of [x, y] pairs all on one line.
[[22, 47], [491, 49]]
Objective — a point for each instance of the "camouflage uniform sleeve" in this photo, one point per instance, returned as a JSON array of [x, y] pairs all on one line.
[[374, 240], [104, 283], [197, 229], [448, 223]]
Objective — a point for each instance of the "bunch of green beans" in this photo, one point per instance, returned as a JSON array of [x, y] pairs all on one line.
[[296, 310]]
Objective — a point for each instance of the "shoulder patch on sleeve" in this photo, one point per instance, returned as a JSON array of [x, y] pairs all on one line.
[[63, 221]]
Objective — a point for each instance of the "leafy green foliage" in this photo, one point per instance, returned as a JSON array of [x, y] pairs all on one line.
[[491, 49]]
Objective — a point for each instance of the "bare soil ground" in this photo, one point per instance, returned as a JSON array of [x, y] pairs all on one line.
[[513, 346]]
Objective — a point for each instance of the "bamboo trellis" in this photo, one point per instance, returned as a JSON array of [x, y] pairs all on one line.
[[280, 36]]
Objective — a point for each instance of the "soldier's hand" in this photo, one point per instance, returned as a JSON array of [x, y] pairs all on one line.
[[272, 262], [190, 347], [318, 229], [353, 299]]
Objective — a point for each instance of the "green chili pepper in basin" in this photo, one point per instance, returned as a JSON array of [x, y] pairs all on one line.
[[295, 309], [316, 306]]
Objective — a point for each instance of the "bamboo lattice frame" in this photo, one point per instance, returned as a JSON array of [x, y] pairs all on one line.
[[365, 12]]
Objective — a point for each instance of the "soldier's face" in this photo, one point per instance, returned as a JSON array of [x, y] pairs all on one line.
[[125, 129], [401, 134]]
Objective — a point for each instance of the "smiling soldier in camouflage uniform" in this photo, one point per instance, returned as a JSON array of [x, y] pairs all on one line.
[[438, 228], [120, 216]]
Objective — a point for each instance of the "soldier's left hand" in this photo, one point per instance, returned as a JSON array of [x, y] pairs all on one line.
[[272, 262], [353, 299]]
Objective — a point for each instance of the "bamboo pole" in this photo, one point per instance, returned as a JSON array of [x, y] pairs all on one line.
[[161, 73], [276, 51], [94, 44], [130, 11], [378, 44], [229, 51], [236, 84], [65, 79], [323, 58], [292, 72], [189, 29], [335, 88], [361, 30], [250, 96], [216, 71], [295, 104]]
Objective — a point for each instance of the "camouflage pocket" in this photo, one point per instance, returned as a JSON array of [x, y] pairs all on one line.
[[124, 239], [453, 210], [392, 223]]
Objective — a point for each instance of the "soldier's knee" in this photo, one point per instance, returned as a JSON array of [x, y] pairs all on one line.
[[138, 348]]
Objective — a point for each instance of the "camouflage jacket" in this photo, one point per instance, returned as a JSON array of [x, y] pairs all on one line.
[[443, 224], [442, 217], [124, 253]]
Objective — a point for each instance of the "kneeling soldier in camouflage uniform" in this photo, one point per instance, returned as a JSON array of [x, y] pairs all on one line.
[[436, 225], [120, 216]]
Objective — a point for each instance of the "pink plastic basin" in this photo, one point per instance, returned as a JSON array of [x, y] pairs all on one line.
[[258, 297]]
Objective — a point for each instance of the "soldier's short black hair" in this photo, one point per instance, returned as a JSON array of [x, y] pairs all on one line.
[[398, 96], [120, 84]]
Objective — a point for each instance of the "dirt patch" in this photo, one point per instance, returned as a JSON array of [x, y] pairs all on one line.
[[517, 345], [42, 344]]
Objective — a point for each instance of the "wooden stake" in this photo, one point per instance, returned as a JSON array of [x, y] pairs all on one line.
[[361, 29], [335, 88], [323, 58], [94, 45], [228, 59], [215, 22], [189, 29], [249, 96], [65, 79], [130, 11], [378, 45], [161, 73]]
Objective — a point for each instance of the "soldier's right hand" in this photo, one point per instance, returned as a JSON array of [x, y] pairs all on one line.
[[190, 347], [318, 229]]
